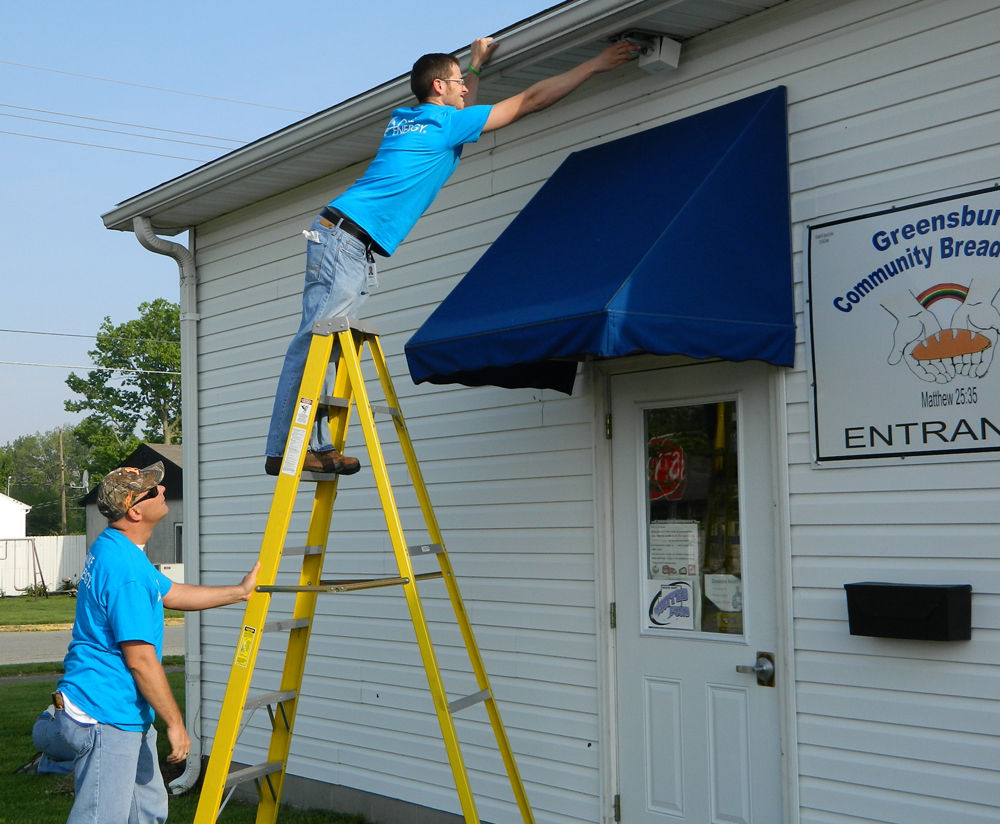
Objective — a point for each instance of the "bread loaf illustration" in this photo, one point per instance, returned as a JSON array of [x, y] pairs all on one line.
[[950, 343]]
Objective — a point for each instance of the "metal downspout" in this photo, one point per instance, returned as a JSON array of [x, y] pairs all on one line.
[[190, 553]]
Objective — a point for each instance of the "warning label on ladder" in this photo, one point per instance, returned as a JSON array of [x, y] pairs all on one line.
[[244, 647]]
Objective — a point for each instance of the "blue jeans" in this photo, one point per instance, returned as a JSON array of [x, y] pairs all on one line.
[[117, 774], [337, 268], [57, 755]]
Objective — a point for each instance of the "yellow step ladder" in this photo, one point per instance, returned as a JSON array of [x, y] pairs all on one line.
[[221, 781]]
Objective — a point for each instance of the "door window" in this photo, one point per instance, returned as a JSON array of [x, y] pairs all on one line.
[[693, 558]]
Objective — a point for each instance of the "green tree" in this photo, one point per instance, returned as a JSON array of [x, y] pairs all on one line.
[[45, 472], [135, 393]]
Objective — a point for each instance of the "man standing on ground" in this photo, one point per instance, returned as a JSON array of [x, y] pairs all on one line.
[[420, 149], [114, 679]]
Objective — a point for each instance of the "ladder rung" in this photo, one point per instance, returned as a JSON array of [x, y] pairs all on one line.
[[342, 403], [469, 700], [425, 549], [286, 624], [252, 773], [266, 699], [391, 411], [291, 551], [318, 477]]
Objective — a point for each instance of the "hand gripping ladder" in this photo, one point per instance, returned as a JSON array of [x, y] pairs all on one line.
[[220, 779]]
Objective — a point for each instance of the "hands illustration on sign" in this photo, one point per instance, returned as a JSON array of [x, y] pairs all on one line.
[[915, 324], [979, 315]]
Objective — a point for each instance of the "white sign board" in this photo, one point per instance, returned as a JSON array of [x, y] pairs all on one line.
[[904, 322]]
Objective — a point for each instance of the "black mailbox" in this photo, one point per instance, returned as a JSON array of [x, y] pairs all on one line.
[[926, 612]]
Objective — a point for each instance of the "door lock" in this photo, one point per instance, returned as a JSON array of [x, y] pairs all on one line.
[[763, 669]]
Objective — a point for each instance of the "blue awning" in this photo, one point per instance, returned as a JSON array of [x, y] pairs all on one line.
[[675, 240]]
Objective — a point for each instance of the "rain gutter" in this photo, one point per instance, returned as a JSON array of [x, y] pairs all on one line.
[[190, 552]]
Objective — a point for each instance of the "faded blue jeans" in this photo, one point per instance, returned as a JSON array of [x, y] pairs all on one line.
[[337, 268], [116, 774], [57, 755]]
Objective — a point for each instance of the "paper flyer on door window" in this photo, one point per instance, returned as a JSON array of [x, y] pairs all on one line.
[[670, 605], [673, 548], [905, 321]]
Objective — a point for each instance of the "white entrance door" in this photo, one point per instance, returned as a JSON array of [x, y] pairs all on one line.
[[694, 568]]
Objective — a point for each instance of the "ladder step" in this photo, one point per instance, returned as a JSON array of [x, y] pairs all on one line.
[[291, 551], [286, 624], [416, 550], [252, 773], [342, 403], [318, 477], [469, 700], [267, 699], [333, 400]]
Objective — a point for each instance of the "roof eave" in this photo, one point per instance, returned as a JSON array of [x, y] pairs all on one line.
[[553, 30]]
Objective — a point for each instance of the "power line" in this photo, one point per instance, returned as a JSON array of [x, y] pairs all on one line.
[[74, 335], [154, 88], [101, 146], [90, 367], [113, 131], [120, 123]]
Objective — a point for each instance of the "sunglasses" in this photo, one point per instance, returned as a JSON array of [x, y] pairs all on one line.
[[152, 493]]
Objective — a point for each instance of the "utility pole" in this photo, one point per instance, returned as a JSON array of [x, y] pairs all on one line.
[[62, 484]]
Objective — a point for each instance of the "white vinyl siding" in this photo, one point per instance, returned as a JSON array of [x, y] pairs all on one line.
[[890, 101], [903, 108]]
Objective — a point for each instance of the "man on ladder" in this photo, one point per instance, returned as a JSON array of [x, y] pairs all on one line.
[[420, 149]]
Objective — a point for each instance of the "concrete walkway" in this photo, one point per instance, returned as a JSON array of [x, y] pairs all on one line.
[[40, 646]]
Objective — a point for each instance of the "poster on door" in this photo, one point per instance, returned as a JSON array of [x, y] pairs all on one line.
[[904, 326], [670, 605]]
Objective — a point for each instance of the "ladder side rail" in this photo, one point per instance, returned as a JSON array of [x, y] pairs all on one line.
[[451, 582], [255, 615], [305, 602], [401, 551]]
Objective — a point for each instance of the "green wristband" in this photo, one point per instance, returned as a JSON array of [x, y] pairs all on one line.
[[474, 70]]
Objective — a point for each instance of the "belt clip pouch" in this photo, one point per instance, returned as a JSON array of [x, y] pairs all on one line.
[[924, 612]]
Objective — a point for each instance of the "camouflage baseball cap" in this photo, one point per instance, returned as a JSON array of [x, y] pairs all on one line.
[[121, 487]]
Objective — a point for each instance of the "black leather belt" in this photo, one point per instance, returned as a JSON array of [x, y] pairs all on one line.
[[341, 221]]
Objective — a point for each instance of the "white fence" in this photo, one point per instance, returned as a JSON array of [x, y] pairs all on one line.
[[25, 561]]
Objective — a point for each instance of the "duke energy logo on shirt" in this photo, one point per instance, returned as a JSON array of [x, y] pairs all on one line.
[[401, 126]]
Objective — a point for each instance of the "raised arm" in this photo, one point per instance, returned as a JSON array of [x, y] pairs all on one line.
[[546, 92], [481, 51]]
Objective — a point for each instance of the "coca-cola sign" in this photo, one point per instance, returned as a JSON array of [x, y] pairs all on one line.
[[667, 469]]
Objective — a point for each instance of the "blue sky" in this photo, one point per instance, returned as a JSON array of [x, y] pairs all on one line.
[[62, 271]]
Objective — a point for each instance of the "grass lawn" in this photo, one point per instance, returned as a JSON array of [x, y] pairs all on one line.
[[46, 799], [24, 610]]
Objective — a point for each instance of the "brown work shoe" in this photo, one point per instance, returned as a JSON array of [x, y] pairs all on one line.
[[331, 462]]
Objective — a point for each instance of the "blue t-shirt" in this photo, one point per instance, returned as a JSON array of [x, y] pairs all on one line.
[[420, 149], [119, 598]]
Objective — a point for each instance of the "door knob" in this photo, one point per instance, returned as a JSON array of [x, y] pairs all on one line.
[[763, 669]]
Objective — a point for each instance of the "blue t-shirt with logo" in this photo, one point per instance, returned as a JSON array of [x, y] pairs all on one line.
[[119, 598], [420, 149]]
